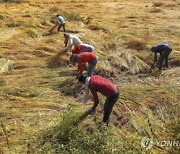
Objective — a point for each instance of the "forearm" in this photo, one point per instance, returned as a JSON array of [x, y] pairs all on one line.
[[69, 45], [155, 58], [80, 69], [85, 99]]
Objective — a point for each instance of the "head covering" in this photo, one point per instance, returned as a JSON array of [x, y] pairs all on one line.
[[66, 35], [82, 78], [73, 58], [153, 49]]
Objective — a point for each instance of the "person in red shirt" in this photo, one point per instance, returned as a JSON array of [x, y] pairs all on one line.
[[82, 58], [99, 84], [82, 48]]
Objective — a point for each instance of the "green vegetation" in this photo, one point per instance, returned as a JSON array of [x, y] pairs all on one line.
[[67, 137], [32, 32]]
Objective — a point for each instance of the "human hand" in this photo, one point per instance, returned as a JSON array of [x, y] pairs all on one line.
[[84, 101], [65, 44]]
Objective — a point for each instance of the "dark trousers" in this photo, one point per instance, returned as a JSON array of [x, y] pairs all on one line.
[[109, 105], [61, 25], [164, 56], [92, 66]]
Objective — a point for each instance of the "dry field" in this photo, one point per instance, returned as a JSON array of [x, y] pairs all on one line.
[[38, 90]]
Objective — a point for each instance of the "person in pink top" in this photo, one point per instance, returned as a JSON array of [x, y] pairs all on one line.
[[82, 58], [98, 84]]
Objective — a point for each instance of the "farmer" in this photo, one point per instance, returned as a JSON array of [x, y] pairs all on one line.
[[99, 84], [82, 58], [82, 48], [164, 50], [60, 22], [71, 40]]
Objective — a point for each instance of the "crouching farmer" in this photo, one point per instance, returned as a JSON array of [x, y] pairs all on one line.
[[164, 50], [71, 40], [85, 57], [99, 84], [82, 48]]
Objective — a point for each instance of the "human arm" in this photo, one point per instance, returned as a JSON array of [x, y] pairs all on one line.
[[155, 60], [95, 98], [158, 61], [80, 67], [155, 57], [69, 44], [85, 98]]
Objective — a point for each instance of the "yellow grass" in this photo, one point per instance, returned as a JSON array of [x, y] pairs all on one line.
[[42, 83]]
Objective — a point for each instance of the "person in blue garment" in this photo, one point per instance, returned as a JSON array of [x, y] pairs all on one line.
[[164, 50], [61, 22]]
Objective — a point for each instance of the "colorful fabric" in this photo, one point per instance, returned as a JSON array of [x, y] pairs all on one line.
[[83, 58], [101, 85], [60, 19], [82, 48]]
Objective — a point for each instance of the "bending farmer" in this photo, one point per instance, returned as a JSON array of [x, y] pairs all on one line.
[[99, 84], [71, 40], [164, 50], [82, 58]]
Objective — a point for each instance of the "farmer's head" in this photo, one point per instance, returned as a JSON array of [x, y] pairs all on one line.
[[82, 78], [66, 35], [153, 49], [74, 58]]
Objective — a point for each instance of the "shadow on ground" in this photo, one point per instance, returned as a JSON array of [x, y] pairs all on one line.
[[67, 73]]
